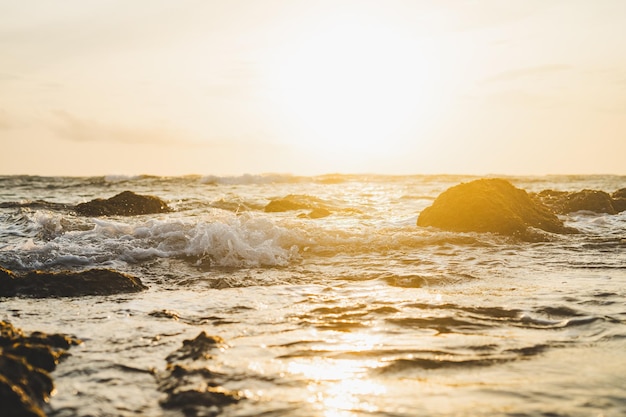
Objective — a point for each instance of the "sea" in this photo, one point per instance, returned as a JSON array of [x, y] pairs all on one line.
[[358, 312]]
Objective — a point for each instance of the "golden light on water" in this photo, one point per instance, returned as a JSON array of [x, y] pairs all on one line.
[[341, 387]]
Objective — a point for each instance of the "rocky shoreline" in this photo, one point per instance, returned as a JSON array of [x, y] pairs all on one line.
[[25, 365], [187, 383]]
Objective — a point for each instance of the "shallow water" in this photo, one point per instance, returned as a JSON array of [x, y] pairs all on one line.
[[358, 313]]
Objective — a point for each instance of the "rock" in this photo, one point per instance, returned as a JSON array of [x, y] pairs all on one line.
[[619, 204], [291, 202], [190, 386], [126, 203], [490, 205], [15, 401], [621, 193], [197, 348], [40, 284], [25, 385], [563, 202], [317, 213]]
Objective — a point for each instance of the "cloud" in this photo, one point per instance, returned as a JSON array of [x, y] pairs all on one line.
[[73, 128], [517, 74], [78, 129]]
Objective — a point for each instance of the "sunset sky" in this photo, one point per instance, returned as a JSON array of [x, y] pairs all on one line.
[[311, 87]]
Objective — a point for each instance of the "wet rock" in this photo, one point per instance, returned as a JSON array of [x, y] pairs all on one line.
[[25, 385], [289, 203], [190, 386], [619, 204], [564, 202], [165, 314], [621, 193], [197, 348], [490, 205], [40, 284], [190, 400], [126, 203], [317, 213]]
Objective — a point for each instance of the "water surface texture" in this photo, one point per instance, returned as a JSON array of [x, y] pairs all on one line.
[[356, 313]]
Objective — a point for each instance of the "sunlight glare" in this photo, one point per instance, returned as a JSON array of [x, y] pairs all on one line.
[[342, 387], [354, 85]]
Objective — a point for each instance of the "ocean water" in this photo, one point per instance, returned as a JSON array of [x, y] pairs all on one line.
[[360, 313]]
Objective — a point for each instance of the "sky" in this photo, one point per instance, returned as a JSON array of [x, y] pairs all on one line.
[[516, 87]]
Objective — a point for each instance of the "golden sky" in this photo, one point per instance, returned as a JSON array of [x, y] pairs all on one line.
[[309, 87]]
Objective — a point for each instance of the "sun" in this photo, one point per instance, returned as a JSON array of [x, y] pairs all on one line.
[[353, 84]]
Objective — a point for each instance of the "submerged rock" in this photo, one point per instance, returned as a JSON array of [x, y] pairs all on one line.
[[317, 213], [189, 384], [490, 205], [621, 193], [293, 202], [25, 385], [126, 203], [564, 202], [40, 284]]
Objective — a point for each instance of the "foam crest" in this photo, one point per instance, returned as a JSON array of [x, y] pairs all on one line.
[[225, 241], [249, 179], [121, 178]]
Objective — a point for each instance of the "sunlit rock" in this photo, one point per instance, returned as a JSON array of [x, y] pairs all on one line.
[[317, 213], [490, 205], [293, 202], [126, 203], [40, 284]]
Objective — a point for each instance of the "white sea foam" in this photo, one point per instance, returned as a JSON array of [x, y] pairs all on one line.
[[120, 178], [223, 240], [248, 179]]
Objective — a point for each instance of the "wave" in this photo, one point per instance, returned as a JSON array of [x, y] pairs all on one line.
[[248, 179], [224, 240]]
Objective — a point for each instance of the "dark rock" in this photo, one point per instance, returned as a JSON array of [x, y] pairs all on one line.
[[38, 355], [189, 400], [40, 284], [126, 203], [35, 382], [165, 314], [190, 386], [621, 193], [16, 402], [619, 204], [590, 200], [197, 348], [25, 385], [490, 205], [563, 202]]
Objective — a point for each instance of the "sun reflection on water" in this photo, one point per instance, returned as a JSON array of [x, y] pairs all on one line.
[[341, 387]]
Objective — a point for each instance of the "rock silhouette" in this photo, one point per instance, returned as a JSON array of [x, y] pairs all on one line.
[[40, 284], [126, 203], [564, 202], [188, 382]]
